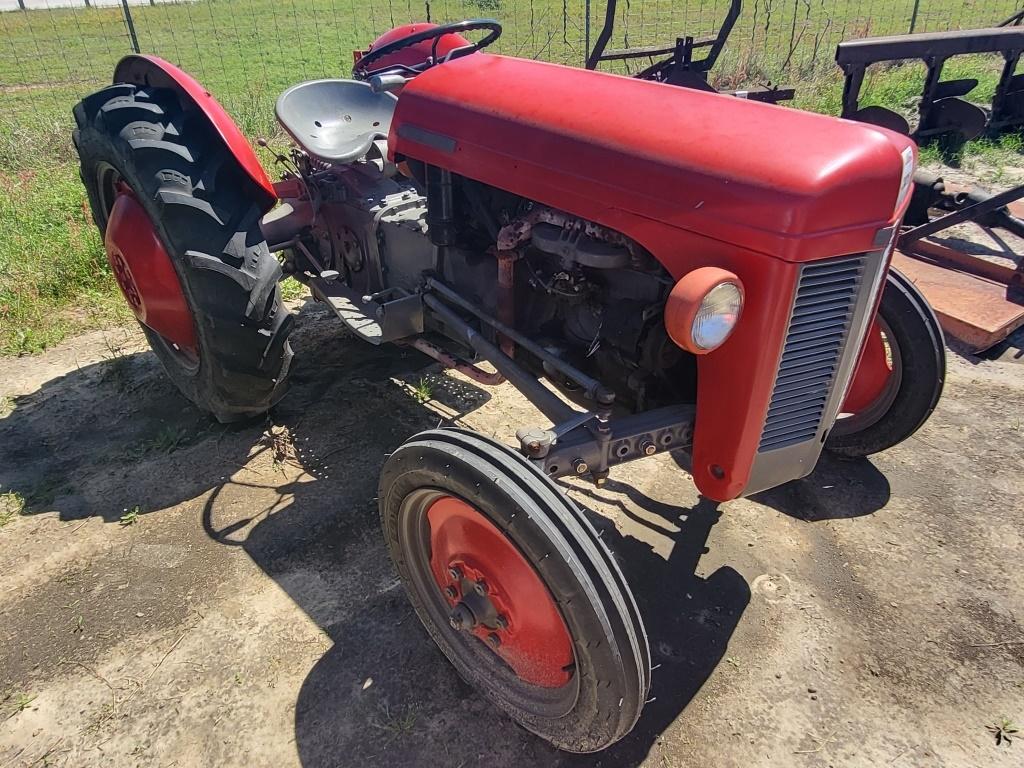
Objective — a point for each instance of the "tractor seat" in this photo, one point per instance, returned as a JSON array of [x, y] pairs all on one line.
[[336, 121]]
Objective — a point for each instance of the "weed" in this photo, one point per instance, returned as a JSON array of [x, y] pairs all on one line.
[[169, 439], [130, 516], [423, 391], [397, 723], [11, 505], [292, 289], [1003, 730], [280, 442], [20, 702]]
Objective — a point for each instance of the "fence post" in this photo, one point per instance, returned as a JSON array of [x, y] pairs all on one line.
[[586, 34], [130, 24], [21, 4], [913, 16]]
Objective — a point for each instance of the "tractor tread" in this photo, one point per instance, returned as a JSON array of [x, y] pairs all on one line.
[[207, 212]]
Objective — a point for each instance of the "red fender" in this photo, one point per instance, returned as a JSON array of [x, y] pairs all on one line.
[[152, 71]]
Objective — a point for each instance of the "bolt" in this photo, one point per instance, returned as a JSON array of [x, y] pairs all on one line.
[[455, 572], [461, 617], [493, 640], [480, 588], [648, 448], [579, 466], [502, 622], [451, 592]]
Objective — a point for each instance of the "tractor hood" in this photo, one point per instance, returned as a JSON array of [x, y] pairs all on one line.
[[637, 155]]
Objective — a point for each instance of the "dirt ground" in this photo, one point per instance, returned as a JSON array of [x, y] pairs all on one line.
[[871, 614]]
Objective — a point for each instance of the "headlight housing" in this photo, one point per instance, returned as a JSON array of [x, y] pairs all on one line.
[[703, 309]]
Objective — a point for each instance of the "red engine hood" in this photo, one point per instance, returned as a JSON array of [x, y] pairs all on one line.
[[619, 151]]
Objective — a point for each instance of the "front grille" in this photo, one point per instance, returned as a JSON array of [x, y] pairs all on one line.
[[826, 297]]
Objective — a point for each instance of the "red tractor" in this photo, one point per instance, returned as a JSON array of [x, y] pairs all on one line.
[[656, 269]]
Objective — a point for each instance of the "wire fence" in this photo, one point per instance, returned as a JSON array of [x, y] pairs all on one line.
[[246, 51]]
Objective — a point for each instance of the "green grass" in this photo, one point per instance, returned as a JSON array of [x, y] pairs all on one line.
[[54, 280], [11, 505]]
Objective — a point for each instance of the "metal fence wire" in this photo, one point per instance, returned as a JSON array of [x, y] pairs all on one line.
[[246, 51]]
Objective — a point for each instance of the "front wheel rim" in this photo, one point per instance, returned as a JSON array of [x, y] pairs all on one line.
[[518, 640], [884, 363]]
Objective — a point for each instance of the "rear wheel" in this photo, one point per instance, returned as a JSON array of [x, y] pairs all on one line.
[[180, 221], [900, 376], [513, 584]]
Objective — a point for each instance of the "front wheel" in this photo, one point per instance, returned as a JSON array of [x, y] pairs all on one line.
[[513, 584], [899, 379]]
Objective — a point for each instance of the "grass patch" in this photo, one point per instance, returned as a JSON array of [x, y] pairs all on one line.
[[11, 505], [54, 279], [130, 517]]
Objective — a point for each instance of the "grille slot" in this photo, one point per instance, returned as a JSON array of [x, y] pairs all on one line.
[[825, 300]]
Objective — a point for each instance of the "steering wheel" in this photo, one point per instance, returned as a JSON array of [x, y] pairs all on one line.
[[362, 68]]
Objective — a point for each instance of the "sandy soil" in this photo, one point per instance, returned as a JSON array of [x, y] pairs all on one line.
[[870, 614]]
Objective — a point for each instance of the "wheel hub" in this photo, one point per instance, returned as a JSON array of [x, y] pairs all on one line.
[[496, 595], [145, 273]]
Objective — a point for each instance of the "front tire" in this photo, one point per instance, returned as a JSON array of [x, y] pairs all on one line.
[[909, 375], [548, 629], [204, 211]]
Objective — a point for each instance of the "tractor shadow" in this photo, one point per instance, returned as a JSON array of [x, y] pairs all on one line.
[[115, 435]]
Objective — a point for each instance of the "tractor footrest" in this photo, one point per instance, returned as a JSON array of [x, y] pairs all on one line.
[[375, 321]]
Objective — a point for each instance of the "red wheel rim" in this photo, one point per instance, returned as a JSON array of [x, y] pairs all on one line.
[[496, 595], [145, 273], [872, 374], [876, 382]]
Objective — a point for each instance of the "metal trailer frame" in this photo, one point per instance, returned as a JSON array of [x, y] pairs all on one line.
[[680, 67], [942, 108]]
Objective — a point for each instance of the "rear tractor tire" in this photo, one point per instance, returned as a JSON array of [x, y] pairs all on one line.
[[180, 221]]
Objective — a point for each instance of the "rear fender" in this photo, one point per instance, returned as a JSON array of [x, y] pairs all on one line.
[[152, 71]]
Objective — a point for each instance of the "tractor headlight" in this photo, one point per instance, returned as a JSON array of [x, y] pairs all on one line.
[[703, 308], [717, 315], [907, 177]]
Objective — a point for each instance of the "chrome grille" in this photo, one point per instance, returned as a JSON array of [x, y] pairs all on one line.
[[823, 309]]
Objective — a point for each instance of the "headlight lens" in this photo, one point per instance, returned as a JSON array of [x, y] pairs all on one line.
[[717, 315], [703, 308], [907, 177]]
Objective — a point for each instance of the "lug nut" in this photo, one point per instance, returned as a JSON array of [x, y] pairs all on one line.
[[455, 573], [480, 588], [451, 592], [502, 622], [493, 640], [580, 467], [648, 448], [461, 618]]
